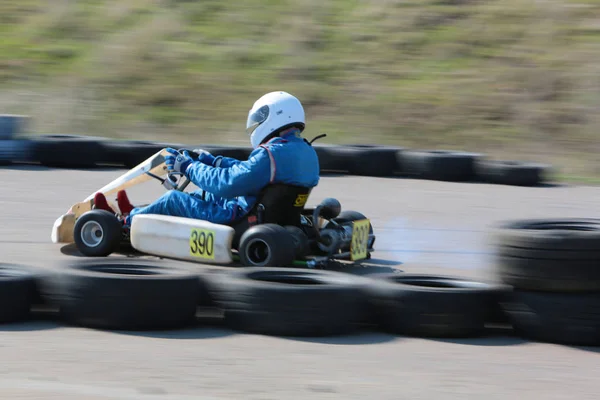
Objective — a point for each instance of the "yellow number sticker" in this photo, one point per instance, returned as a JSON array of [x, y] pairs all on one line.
[[202, 243], [360, 239], [300, 200]]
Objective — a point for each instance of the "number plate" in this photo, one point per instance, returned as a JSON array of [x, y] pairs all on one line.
[[360, 239], [202, 243]]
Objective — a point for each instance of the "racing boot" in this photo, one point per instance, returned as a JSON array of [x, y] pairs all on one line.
[[124, 204], [100, 203]]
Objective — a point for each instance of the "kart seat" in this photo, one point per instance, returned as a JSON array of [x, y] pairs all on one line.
[[279, 203]]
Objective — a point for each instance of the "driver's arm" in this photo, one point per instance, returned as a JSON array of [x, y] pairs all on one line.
[[225, 162], [241, 178]]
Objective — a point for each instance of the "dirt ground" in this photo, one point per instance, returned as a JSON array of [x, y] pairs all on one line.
[[422, 226]]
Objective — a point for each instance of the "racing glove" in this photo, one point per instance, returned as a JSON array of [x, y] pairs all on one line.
[[178, 162], [205, 157]]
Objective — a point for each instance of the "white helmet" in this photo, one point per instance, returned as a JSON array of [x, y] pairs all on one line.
[[273, 113]]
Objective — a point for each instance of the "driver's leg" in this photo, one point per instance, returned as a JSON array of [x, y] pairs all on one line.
[[125, 206], [211, 198], [181, 204]]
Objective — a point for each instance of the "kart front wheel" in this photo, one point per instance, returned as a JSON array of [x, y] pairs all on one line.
[[97, 233], [267, 245]]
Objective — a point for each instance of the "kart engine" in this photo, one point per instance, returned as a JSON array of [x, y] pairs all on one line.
[[338, 237]]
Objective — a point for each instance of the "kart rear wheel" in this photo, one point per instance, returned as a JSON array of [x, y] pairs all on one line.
[[301, 243], [267, 245], [98, 233]]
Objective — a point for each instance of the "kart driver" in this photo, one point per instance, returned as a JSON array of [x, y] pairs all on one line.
[[279, 155]]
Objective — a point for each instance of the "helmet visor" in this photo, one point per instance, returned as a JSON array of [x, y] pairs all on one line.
[[256, 118]]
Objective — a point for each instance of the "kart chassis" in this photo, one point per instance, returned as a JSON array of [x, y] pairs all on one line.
[[327, 237]]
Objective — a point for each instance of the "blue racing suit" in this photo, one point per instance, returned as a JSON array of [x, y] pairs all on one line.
[[232, 186]]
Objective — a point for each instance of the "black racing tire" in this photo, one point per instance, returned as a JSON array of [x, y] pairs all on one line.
[[290, 301], [550, 275], [206, 298], [559, 255], [130, 153], [123, 294], [301, 242], [266, 245], [433, 306], [66, 151], [379, 161], [442, 165], [561, 318], [507, 172], [98, 233], [558, 234], [331, 159], [18, 292]]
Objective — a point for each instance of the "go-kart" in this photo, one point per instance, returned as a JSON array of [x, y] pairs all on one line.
[[279, 230]]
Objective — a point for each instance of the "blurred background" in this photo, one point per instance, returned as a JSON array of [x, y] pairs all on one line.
[[515, 79]]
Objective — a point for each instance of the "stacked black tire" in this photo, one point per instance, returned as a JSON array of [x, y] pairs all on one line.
[[18, 292], [433, 306], [554, 267], [123, 294], [289, 301], [105, 294]]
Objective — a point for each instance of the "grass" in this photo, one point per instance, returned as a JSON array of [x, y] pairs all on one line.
[[511, 78]]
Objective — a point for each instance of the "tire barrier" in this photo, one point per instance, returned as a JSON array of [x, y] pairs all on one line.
[[554, 267], [442, 165], [330, 160], [514, 173], [561, 318], [18, 290], [67, 151], [74, 151], [369, 160], [290, 301], [129, 153], [555, 255], [433, 306], [124, 294]]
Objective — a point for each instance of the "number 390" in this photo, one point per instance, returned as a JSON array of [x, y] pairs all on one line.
[[202, 243], [360, 238]]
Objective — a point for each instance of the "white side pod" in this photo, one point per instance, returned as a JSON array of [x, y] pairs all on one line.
[[182, 238]]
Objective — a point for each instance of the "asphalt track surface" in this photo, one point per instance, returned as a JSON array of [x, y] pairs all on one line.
[[422, 226]]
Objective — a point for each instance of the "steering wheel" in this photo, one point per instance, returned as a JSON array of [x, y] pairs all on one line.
[[177, 180]]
